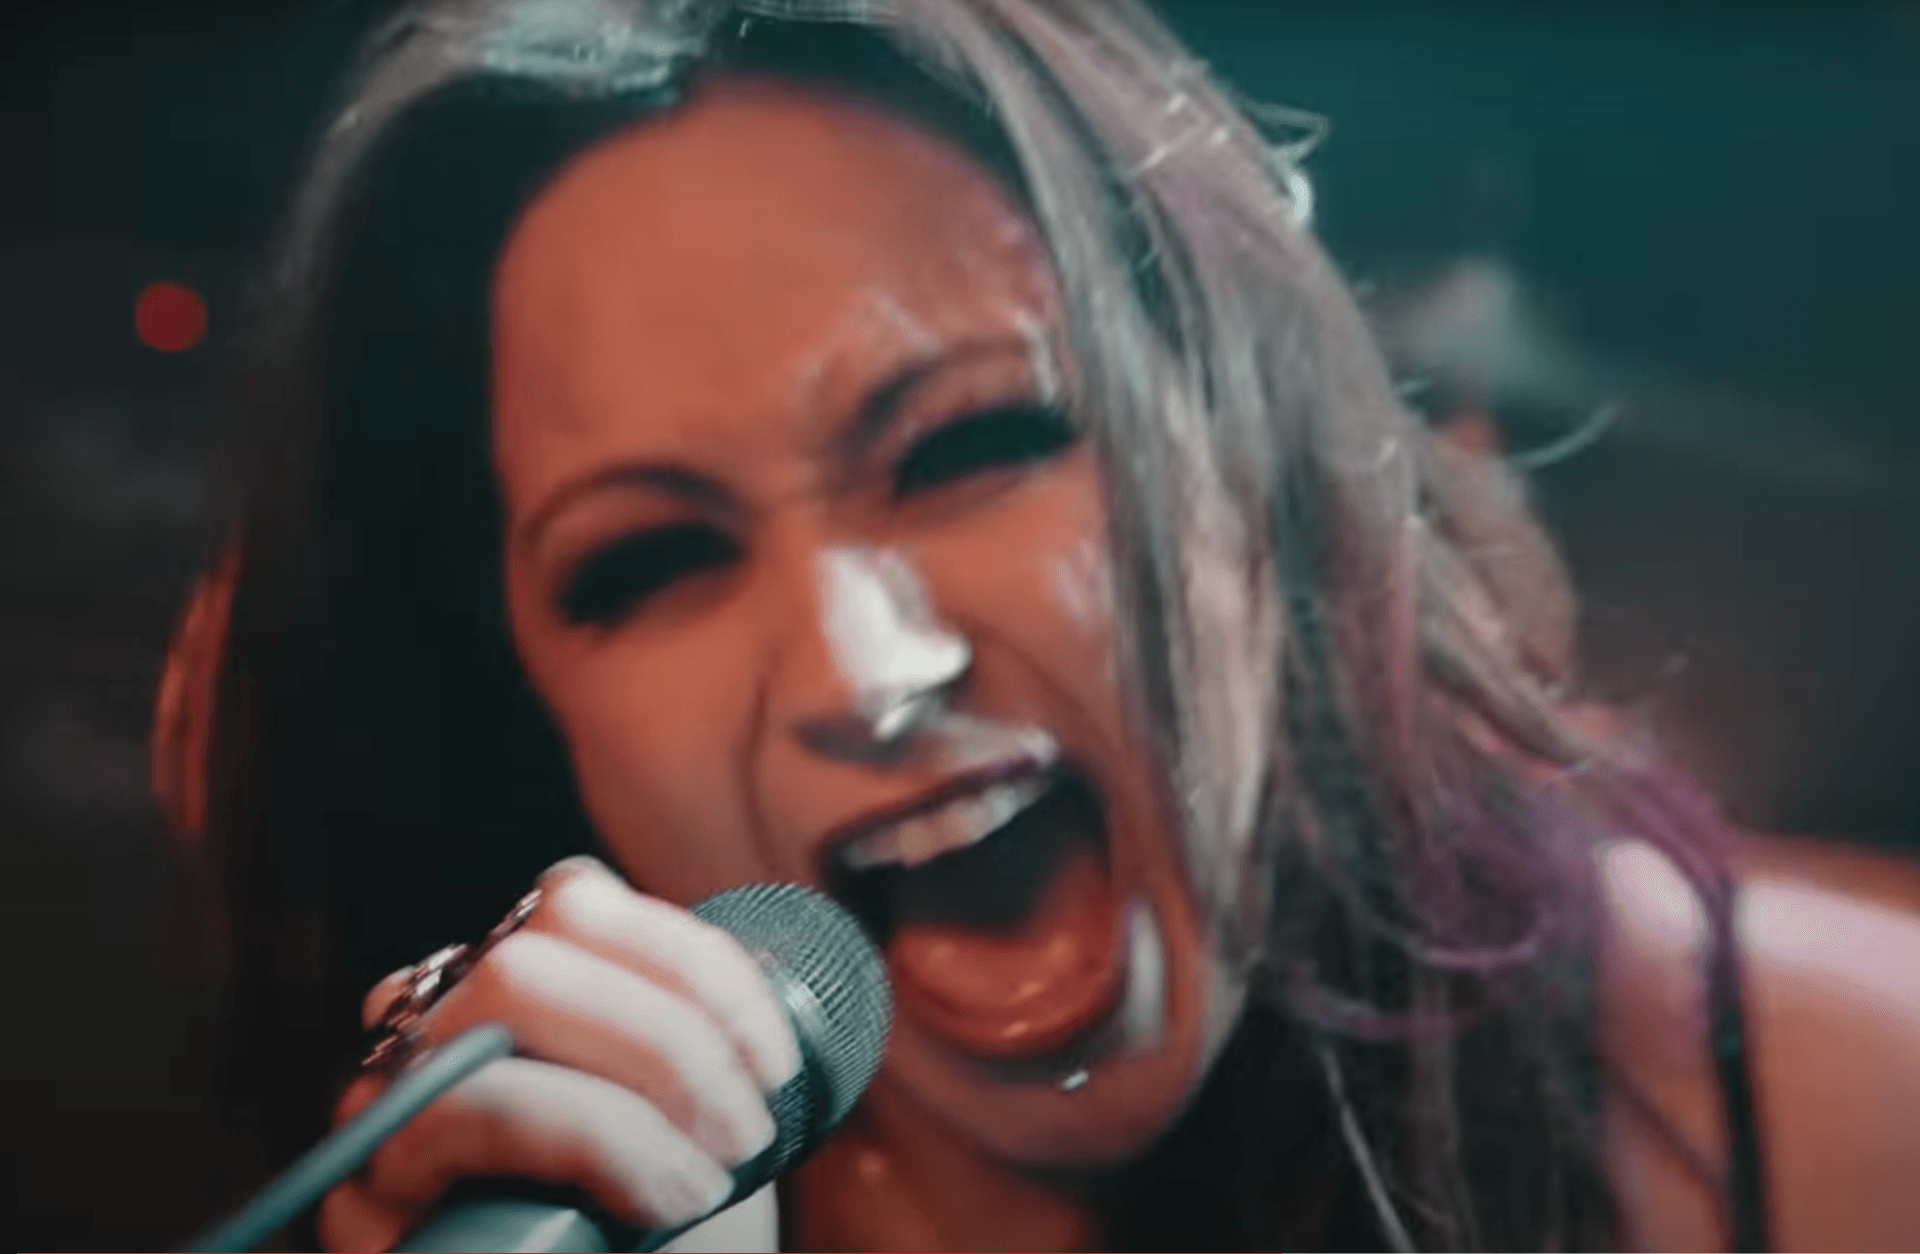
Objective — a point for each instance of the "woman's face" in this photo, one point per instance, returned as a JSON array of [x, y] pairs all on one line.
[[775, 427]]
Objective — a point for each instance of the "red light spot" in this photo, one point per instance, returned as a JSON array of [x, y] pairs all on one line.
[[169, 317]]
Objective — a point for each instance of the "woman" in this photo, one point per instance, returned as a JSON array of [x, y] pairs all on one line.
[[917, 450]]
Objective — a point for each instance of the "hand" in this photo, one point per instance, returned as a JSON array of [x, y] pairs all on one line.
[[646, 1042]]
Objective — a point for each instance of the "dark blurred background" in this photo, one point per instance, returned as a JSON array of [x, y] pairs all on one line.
[[1686, 231]]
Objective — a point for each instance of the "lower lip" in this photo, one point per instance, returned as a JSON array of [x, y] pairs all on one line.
[[1027, 993], [1133, 1024]]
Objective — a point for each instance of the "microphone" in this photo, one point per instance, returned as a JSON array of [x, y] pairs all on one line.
[[834, 987]]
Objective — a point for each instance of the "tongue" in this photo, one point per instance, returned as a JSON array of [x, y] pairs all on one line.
[[1008, 988]]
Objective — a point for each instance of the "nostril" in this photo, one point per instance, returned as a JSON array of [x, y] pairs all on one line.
[[850, 738], [897, 714], [881, 729]]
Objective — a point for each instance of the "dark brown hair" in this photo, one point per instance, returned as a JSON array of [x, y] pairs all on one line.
[[1333, 632]]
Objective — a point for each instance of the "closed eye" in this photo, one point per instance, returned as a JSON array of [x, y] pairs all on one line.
[[620, 578], [992, 439]]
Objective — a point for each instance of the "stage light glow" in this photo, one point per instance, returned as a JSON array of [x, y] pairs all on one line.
[[169, 317]]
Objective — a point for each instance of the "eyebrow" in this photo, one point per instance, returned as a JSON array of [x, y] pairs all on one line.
[[882, 405], [668, 480], [876, 413]]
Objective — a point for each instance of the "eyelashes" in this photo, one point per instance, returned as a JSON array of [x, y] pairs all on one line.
[[621, 577], [993, 439]]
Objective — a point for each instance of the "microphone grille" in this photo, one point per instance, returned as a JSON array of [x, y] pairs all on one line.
[[819, 947]]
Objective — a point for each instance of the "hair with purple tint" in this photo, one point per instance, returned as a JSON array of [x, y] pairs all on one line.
[[1350, 645]]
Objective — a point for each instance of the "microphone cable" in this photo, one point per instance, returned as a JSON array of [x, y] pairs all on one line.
[[342, 1152]]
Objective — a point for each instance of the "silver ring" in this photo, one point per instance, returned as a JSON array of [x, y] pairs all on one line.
[[397, 1038]]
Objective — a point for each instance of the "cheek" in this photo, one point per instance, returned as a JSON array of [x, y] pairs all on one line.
[[654, 731], [1034, 573], [1081, 586]]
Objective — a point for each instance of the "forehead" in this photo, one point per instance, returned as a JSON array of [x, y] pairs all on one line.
[[761, 250]]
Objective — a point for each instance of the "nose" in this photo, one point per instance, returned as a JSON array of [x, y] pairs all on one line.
[[891, 663]]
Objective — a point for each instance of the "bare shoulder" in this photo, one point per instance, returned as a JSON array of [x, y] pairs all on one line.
[[1834, 994], [1832, 958]]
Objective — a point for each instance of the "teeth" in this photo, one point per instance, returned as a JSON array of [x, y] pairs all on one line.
[[959, 823]]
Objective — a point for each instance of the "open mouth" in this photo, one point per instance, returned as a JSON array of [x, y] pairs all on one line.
[[997, 912]]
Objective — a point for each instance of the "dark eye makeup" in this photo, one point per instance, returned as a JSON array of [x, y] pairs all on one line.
[[616, 580], [619, 578], [1001, 438]]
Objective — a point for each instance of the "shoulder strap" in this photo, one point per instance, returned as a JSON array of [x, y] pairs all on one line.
[[1726, 987]]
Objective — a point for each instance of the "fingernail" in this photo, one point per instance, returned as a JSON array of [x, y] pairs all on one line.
[[718, 1189], [784, 1056], [577, 863], [735, 1136], [764, 1131], [705, 1191]]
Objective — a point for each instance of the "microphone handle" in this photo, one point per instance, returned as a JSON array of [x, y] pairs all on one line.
[[514, 1215], [506, 1221]]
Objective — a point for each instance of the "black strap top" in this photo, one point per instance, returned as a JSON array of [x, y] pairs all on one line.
[[1726, 991], [1262, 1119]]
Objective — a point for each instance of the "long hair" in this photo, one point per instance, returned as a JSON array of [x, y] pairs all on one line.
[[1347, 648]]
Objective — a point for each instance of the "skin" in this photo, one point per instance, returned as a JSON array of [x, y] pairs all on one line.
[[906, 260], [1834, 1038], [689, 322]]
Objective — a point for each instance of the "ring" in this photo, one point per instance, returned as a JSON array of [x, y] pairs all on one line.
[[396, 1038]]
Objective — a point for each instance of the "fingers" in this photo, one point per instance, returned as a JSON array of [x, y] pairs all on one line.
[[590, 906], [646, 1040], [359, 1094], [352, 1217], [577, 1009], [536, 1121]]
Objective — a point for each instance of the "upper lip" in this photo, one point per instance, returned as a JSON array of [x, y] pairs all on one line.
[[958, 786]]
